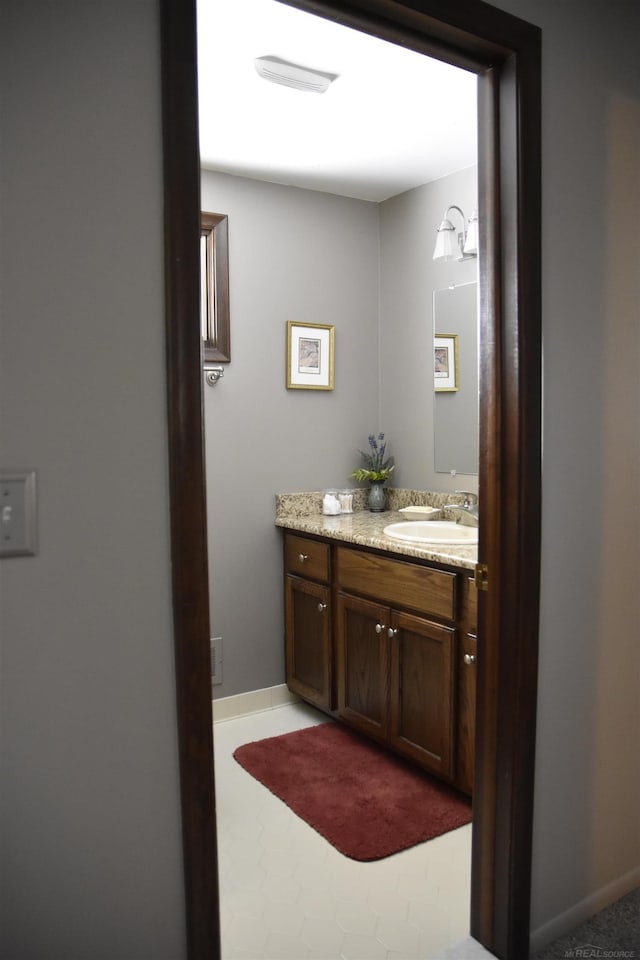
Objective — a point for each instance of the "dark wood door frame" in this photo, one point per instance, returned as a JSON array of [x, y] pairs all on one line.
[[505, 53]]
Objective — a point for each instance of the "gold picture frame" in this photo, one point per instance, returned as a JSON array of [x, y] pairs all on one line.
[[446, 376], [310, 355]]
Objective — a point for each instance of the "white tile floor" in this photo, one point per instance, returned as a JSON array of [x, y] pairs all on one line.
[[287, 893]]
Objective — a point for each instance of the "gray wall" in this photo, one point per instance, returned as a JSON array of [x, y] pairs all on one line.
[[91, 852], [91, 834], [317, 258], [586, 831], [294, 255], [409, 275]]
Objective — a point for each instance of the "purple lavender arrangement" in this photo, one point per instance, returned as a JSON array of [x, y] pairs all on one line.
[[377, 469]]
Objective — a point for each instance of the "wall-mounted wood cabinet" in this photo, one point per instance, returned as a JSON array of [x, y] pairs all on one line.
[[387, 646]]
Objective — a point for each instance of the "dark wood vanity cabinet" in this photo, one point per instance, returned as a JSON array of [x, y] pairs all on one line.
[[466, 712], [395, 676], [386, 654], [308, 620], [422, 692], [362, 650], [394, 657], [467, 666]]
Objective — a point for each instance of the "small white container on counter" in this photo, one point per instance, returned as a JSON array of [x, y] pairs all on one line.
[[330, 504]]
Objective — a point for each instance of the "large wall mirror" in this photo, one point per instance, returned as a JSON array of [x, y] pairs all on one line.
[[456, 405], [214, 288]]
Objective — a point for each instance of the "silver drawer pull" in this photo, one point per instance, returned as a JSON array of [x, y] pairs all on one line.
[[469, 658], [391, 632], [302, 557], [322, 607], [379, 627]]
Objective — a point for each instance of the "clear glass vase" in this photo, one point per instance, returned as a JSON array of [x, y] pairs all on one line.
[[377, 496]]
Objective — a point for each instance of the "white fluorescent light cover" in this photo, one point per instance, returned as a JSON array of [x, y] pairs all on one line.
[[293, 75]]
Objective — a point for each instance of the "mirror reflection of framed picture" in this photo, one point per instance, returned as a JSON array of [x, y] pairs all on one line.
[[309, 356], [445, 362]]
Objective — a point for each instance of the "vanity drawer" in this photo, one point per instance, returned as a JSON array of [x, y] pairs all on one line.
[[395, 582], [307, 558]]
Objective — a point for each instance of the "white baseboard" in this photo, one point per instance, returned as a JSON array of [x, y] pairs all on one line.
[[565, 922], [255, 701]]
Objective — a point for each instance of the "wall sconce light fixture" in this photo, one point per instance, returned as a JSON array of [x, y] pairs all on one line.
[[451, 245]]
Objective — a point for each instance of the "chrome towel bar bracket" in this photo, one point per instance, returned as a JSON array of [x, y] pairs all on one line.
[[213, 374]]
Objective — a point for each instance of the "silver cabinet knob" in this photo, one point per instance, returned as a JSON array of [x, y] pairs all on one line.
[[469, 658], [302, 557], [391, 632], [322, 607], [379, 627]]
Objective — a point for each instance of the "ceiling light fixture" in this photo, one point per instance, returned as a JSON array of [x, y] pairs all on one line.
[[293, 75], [451, 245]]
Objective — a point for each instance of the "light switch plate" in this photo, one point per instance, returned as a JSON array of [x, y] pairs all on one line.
[[17, 513]]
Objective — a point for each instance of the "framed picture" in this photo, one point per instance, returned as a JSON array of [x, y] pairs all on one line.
[[445, 362], [309, 356]]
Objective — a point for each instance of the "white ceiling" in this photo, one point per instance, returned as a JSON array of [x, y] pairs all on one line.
[[392, 120]]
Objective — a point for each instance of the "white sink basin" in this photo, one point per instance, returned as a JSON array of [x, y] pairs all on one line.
[[444, 532]]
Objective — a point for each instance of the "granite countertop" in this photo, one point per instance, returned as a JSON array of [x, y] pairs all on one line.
[[366, 529]]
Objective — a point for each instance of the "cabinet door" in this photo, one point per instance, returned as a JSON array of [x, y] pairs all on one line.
[[363, 664], [308, 640], [422, 691], [466, 712]]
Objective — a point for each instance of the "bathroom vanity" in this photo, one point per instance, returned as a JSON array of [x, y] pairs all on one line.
[[382, 636]]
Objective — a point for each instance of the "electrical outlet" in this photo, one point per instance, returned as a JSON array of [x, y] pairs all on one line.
[[17, 513], [216, 661]]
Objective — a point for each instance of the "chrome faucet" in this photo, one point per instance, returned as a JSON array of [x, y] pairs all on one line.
[[467, 512]]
